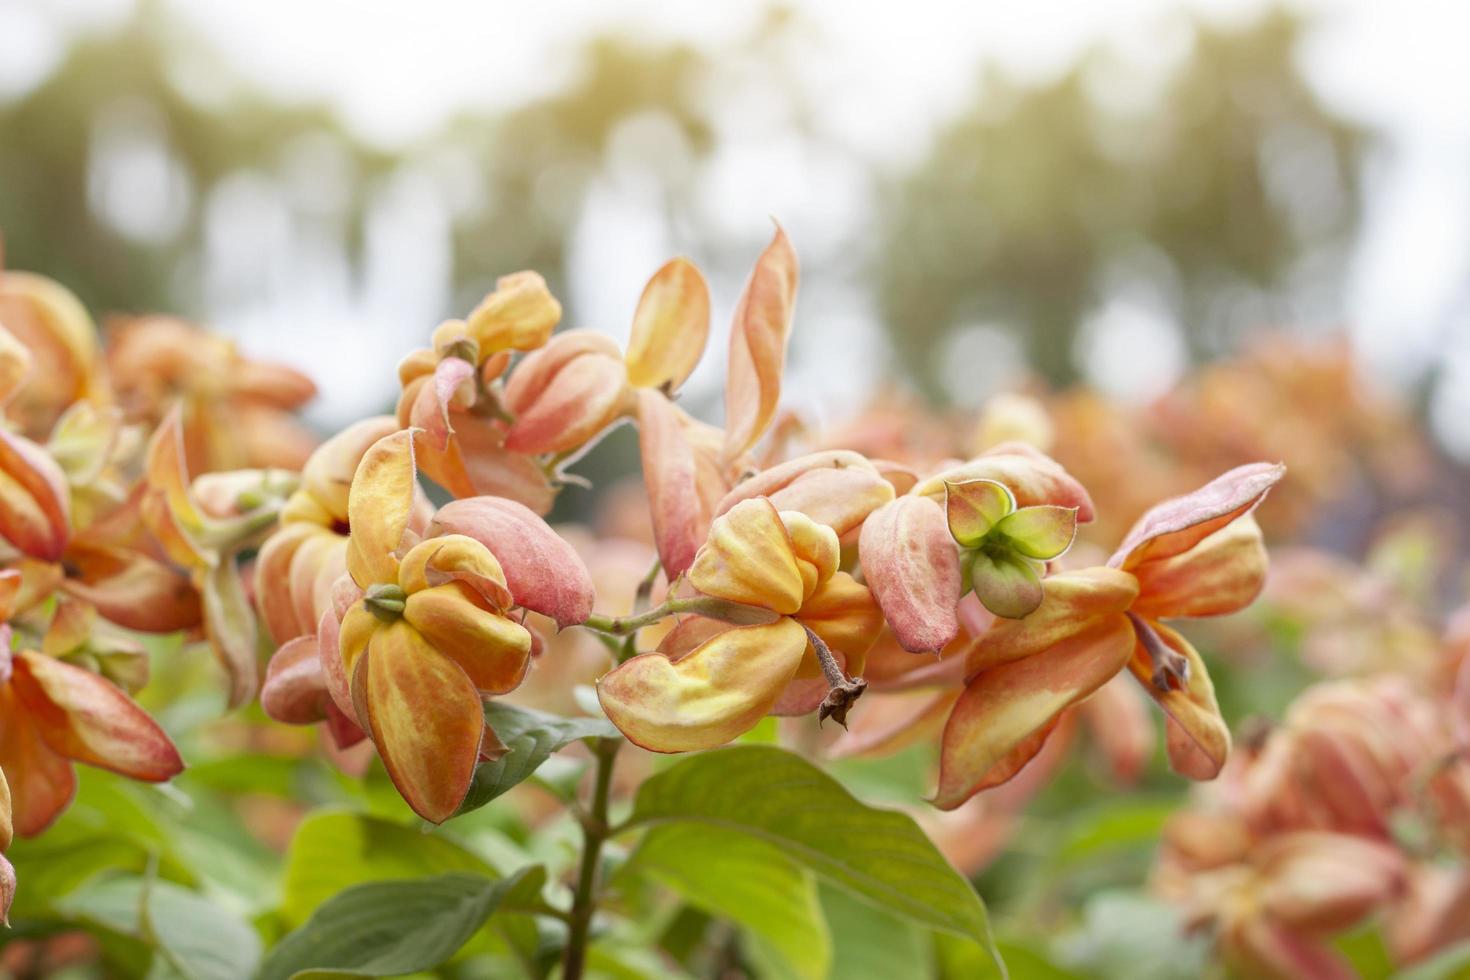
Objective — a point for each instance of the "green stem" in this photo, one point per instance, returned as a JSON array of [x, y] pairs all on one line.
[[595, 832], [702, 605]]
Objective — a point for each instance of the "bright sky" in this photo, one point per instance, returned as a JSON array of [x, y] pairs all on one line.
[[891, 71]]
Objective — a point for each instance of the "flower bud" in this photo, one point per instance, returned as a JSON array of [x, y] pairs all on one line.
[[566, 393]]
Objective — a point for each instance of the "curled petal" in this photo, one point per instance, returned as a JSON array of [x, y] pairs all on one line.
[[758, 345], [816, 549], [229, 621], [843, 613], [681, 515], [494, 652], [910, 562], [565, 393], [1003, 717], [425, 718], [670, 327], [379, 506], [749, 558], [168, 476], [1221, 574], [1175, 526], [838, 488], [295, 689], [35, 501], [519, 315], [1197, 737], [455, 558], [431, 405], [1032, 477], [705, 699], [327, 477], [544, 572], [1073, 602], [89, 719]]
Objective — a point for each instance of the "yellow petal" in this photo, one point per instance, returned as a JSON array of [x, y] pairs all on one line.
[[758, 345], [327, 476], [1197, 737], [1221, 574], [519, 315], [749, 558], [379, 506], [493, 651], [455, 558], [816, 548], [715, 693], [1072, 601], [426, 720], [670, 327]]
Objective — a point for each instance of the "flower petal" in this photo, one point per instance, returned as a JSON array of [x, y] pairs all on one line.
[[1073, 601], [758, 345], [494, 652], [327, 477], [1197, 737], [519, 315], [705, 699], [229, 621], [681, 515], [1004, 710], [670, 327], [35, 501], [89, 719], [1174, 526], [455, 558], [566, 393], [749, 558], [911, 563], [1221, 574], [295, 689], [543, 572], [42, 782], [1031, 476], [379, 506], [838, 488], [426, 720], [132, 590]]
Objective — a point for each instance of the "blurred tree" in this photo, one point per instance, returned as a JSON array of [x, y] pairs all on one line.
[[1227, 183]]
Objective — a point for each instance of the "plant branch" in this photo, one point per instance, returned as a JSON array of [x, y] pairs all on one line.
[[595, 832]]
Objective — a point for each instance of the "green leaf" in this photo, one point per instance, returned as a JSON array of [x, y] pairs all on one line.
[[746, 880], [870, 944], [387, 928], [195, 938], [531, 737], [335, 849], [1365, 949], [1451, 964], [784, 800]]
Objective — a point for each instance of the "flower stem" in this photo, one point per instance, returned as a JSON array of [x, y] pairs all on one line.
[[595, 832], [724, 610]]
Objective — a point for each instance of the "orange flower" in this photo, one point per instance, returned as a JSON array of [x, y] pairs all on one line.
[[712, 681], [425, 633], [1197, 555], [49, 357], [54, 713]]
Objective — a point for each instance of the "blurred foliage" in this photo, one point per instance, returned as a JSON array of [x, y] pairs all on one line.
[[1040, 202]]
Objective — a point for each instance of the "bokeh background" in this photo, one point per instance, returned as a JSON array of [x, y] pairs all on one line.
[[984, 196]]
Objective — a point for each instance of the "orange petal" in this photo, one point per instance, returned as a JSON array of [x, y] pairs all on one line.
[[519, 315], [758, 345], [431, 406], [42, 782], [492, 469], [426, 720], [11, 582], [1073, 601], [670, 327], [89, 719], [749, 558], [35, 501], [132, 590], [715, 693], [1001, 719], [168, 474], [1221, 574], [1197, 737], [838, 488], [543, 572], [295, 689], [495, 652], [15, 365], [274, 596], [566, 393], [379, 506], [455, 558], [1031, 476], [1175, 526], [327, 476], [681, 516], [911, 563], [844, 614]]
